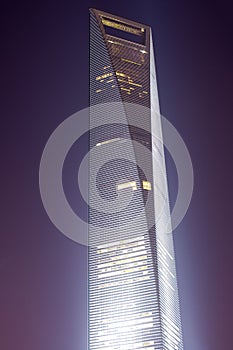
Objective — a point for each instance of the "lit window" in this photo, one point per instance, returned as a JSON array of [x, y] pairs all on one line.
[[128, 91], [122, 272], [121, 26], [129, 61], [128, 265], [107, 141], [115, 43], [123, 282], [129, 240], [146, 185], [123, 245], [120, 262], [129, 184], [106, 75], [129, 82]]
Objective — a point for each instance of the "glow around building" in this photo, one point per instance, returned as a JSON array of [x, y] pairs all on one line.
[[133, 297]]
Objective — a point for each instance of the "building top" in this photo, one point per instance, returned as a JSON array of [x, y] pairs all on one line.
[[122, 28]]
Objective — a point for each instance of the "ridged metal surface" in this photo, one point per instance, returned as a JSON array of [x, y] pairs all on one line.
[[133, 298]]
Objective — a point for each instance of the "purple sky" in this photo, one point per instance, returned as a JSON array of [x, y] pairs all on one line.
[[44, 80]]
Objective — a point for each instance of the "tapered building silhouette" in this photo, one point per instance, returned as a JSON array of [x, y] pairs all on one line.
[[132, 287]]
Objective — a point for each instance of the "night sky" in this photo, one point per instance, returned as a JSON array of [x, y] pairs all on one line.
[[45, 79]]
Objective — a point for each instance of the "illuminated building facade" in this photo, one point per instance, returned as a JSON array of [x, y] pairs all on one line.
[[133, 297]]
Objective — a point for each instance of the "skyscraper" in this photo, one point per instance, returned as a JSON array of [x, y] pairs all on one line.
[[133, 297]]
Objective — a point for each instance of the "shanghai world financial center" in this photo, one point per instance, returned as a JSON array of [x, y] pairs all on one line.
[[132, 287]]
